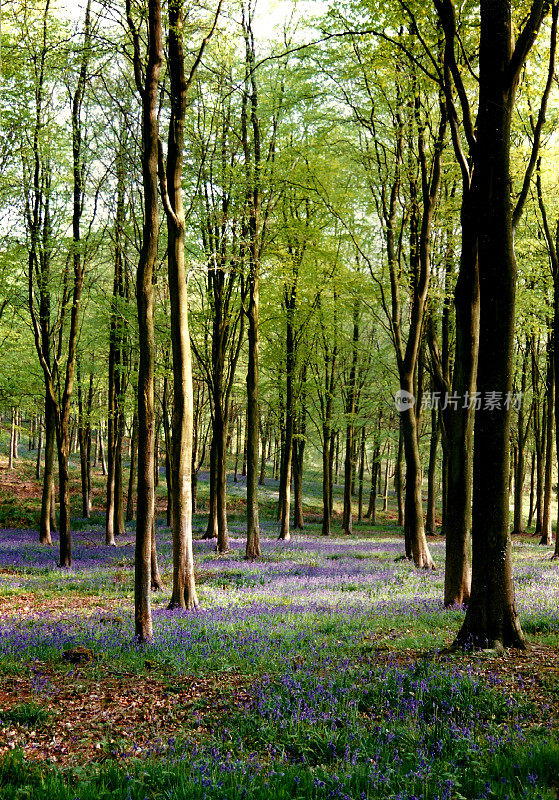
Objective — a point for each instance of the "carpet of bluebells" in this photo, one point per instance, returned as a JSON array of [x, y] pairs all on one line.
[[319, 627]]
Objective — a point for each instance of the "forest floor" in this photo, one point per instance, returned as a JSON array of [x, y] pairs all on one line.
[[320, 671]]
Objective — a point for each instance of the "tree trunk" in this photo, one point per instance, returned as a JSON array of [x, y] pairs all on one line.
[[262, 478], [546, 531], [351, 402], [326, 477], [102, 450], [132, 475], [220, 437], [145, 299], [299, 443], [211, 530], [39, 448], [361, 476], [491, 617], [398, 477], [156, 580], [184, 587], [371, 514], [522, 435], [287, 450], [531, 507], [237, 448], [386, 471], [45, 527], [12, 440], [414, 532], [430, 522]]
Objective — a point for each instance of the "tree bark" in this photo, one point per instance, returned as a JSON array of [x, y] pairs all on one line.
[[491, 617], [147, 84], [132, 474], [430, 522], [546, 531], [184, 586]]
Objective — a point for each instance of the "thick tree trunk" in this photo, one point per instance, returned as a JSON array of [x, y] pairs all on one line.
[[491, 617], [145, 301], [184, 586]]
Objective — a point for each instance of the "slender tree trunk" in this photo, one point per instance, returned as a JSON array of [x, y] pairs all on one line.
[[156, 579], [132, 475], [220, 435], [39, 448], [184, 585], [519, 471], [430, 523], [326, 477], [211, 530], [386, 471], [287, 451], [546, 532], [12, 439], [45, 527], [237, 448], [351, 402], [361, 476], [102, 450], [414, 531], [144, 293], [398, 488], [531, 507], [262, 478]]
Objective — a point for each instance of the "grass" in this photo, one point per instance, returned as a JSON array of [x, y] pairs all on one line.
[[314, 673]]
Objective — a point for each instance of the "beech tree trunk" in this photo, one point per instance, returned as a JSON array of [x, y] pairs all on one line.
[[430, 521], [184, 587], [148, 89], [351, 402], [47, 496], [132, 474], [253, 160], [491, 617], [546, 530]]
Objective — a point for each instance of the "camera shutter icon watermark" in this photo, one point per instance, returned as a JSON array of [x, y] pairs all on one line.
[[403, 400]]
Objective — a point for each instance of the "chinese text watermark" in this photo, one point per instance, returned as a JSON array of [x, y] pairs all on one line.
[[487, 401]]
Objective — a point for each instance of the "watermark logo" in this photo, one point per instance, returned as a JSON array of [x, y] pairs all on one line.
[[403, 400], [490, 401]]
